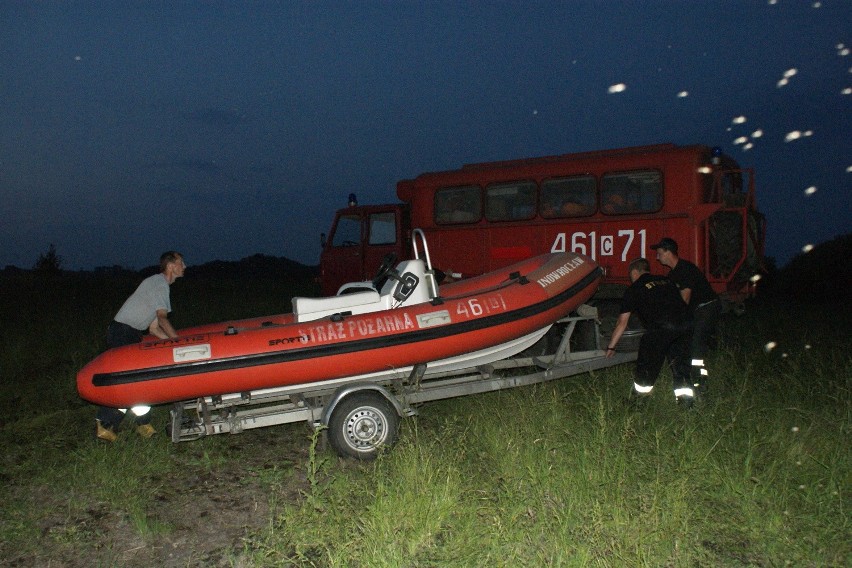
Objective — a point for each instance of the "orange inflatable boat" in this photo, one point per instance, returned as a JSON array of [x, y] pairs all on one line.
[[409, 321]]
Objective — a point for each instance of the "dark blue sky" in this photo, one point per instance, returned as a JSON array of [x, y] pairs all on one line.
[[228, 129]]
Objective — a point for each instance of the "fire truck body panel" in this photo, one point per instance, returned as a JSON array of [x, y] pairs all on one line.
[[611, 205]]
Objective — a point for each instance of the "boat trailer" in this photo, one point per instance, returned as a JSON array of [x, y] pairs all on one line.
[[361, 414]]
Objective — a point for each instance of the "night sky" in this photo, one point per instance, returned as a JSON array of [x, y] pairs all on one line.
[[226, 129]]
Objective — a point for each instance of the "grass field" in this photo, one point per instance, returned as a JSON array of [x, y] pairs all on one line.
[[561, 474]]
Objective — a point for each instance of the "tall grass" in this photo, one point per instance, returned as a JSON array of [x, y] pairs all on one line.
[[568, 474], [560, 474]]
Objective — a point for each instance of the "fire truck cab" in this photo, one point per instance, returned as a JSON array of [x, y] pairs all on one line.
[[610, 205]]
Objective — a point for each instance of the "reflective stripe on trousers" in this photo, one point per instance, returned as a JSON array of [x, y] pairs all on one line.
[[698, 370], [684, 392], [137, 410]]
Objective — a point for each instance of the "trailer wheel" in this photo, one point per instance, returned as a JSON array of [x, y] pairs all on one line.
[[361, 425]]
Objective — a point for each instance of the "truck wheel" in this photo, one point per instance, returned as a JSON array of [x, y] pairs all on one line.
[[361, 424]]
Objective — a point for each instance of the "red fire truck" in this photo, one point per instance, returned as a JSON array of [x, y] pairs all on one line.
[[611, 205]]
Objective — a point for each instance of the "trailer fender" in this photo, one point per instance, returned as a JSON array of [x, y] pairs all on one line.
[[345, 391]]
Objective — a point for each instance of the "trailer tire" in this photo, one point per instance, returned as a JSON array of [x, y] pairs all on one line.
[[362, 424]]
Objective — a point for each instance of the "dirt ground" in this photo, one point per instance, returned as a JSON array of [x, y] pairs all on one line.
[[208, 512]]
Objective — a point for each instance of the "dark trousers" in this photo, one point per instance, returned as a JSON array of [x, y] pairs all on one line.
[[705, 324], [655, 347], [119, 334]]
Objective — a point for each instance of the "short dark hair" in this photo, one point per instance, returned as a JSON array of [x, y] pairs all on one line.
[[168, 257], [666, 243], [640, 264]]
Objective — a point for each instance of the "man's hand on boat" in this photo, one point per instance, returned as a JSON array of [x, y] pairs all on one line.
[[161, 326]]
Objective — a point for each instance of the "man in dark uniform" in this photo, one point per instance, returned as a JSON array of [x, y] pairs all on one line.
[[663, 313], [705, 309]]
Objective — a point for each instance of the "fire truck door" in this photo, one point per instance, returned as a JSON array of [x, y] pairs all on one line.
[[382, 237], [342, 257]]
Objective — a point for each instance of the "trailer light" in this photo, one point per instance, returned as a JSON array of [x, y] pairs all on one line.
[[353, 201]]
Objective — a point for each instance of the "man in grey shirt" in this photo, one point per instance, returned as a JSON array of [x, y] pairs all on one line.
[[147, 309]]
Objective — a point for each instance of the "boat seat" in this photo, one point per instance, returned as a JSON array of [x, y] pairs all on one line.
[[413, 285], [306, 309], [421, 292]]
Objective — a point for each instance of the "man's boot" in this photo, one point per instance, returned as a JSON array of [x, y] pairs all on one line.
[[104, 433]]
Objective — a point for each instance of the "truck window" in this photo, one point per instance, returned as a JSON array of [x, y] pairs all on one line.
[[510, 201], [631, 192], [382, 228], [568, 197], [347, 233], [732, 189], [455, 205]]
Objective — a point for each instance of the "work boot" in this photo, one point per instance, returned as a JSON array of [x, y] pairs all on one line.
[[145, 430], [104, 433]]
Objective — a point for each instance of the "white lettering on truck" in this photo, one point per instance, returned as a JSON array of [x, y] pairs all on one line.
[[597, 246]]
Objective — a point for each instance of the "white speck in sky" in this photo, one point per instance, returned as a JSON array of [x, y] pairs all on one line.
[[794, 135], [740, 140], [683, 94], [77, 58], [739, 119], [617, 88], [790, 72], [808, 248], [849, 169], [811, 190], [846, 91], [535, 111], [748, 146], [757, 133], [770, 346], [817, 4], [782, 83]]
